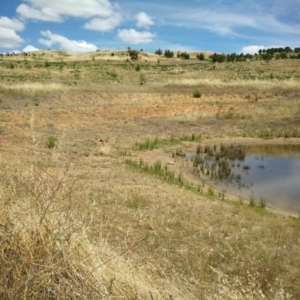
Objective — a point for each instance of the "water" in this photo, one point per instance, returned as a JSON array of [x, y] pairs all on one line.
[[271, 172]]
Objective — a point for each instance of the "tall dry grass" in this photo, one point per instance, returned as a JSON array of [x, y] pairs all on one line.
[[30, 89], [218, 83], [46, 251]]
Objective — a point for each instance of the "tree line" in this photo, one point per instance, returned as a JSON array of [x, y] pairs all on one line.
[[264, 54]]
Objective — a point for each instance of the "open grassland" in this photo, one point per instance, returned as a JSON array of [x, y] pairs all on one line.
[[97, 200]]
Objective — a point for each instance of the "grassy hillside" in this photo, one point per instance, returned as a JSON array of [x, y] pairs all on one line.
[[97, 201]]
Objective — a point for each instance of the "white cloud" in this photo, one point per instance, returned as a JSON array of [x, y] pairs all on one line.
[[8, 36], [30, 48], [143, 20], [41, 14], [254, 49], [106, 16], [104, 24], [229, 22], [251, 49], [65, 44], [131, 36], [13, 24]]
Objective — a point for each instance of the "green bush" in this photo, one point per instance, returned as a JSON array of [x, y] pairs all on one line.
[[200, 56], [51, 142], [134, 54], [169, 54], [197, 94], [142, 79]]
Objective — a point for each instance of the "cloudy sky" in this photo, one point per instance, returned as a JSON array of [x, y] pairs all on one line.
[[203, 25]]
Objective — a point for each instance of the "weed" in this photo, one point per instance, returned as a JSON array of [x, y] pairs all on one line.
[[142, 79], [136, 201], [262, 203], [197, 94], [51, 142], [252, 200]]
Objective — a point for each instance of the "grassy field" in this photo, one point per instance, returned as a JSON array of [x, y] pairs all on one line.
[[97, 199]]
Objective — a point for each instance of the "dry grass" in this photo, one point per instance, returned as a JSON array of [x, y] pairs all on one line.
[[46, 249], [31, 89], [95, 229], [261, 85]]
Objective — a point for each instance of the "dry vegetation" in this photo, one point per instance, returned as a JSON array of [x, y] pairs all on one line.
[[79, 218]]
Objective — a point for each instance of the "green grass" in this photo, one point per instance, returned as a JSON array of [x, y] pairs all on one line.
[[150, 144]]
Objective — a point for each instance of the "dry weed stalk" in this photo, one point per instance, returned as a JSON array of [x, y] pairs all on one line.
[[46, 251]]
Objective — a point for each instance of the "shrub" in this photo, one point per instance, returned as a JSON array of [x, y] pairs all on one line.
[[218, 57], [262, 203], [200, 56], [169, 54], [51, 142], [183, 55], [197, 94], [134, 54], [142, 79]]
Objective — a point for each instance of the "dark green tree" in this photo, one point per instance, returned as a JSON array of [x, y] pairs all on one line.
[[169, 54], [200, 56]]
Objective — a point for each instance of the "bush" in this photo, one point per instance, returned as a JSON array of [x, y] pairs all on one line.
[[134, 54], [183, 55], [197, 94], [51, 142], [218, 57], [200, 56], [169, 54], [142, 79]]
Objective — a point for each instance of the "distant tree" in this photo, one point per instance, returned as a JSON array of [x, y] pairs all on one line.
[[169, 54], [281, 55], [267, 56], [200, 56], [183, 55], [218, 58], [158, 52], [288, 50], [297, 50], [231, 57]]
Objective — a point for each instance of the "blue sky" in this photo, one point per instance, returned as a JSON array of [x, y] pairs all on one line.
[[187, 25]]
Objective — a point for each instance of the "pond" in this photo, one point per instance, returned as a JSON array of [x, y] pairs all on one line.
[[268, 172]]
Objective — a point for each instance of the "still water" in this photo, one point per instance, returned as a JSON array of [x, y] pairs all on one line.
[[268, 171]]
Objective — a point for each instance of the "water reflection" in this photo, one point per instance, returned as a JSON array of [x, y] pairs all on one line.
[[268, 171]]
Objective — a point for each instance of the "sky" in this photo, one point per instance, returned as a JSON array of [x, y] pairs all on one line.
[[79, 26]]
